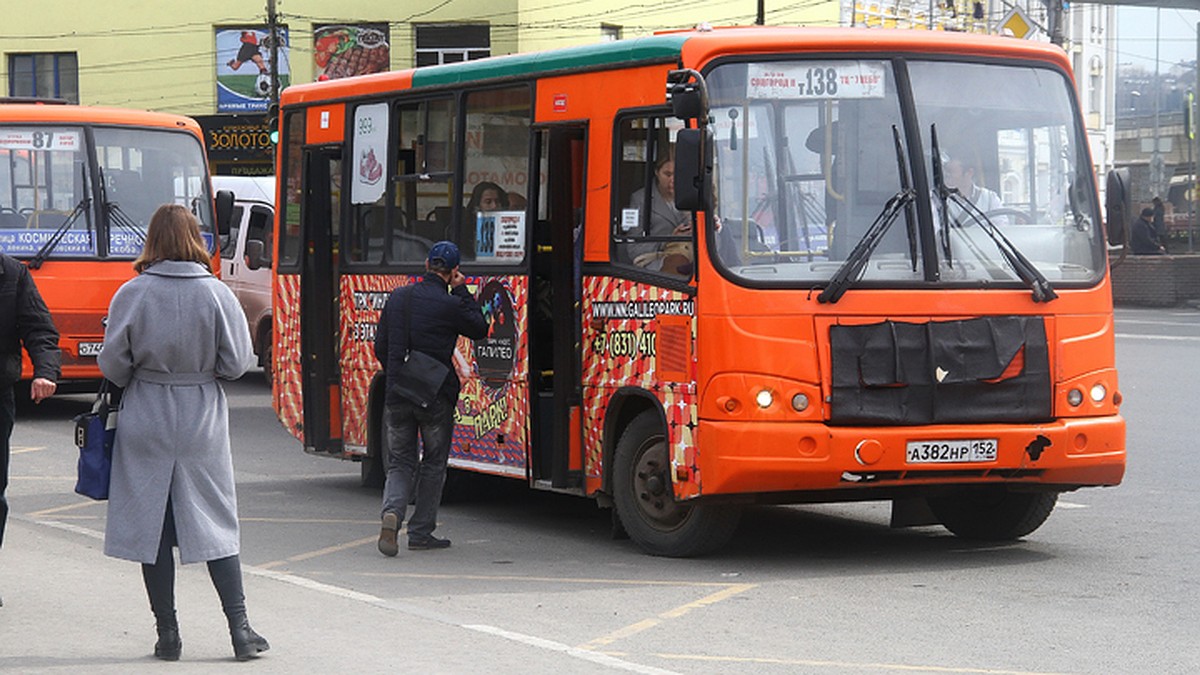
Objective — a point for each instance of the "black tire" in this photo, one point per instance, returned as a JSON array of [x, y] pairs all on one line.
[[646, 504], [268, 367], [993, 513], [372, 475]]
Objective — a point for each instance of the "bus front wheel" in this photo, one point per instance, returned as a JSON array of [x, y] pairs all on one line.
[[993, 513], [646, 503]]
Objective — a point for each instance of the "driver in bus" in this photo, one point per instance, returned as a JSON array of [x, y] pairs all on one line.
[[960, 176]]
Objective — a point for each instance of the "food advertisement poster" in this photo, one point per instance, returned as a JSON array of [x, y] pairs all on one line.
[[343, 51]]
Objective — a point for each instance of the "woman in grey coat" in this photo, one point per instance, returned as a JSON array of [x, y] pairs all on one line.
[[172, 331]]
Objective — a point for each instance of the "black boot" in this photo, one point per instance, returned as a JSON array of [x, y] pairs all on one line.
[[246, 643], [169, 646]]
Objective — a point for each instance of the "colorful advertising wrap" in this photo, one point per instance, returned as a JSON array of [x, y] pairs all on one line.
[[244, 67]]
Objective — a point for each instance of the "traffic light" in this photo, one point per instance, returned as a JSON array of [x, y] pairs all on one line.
[[272, 123], [1189, 120]]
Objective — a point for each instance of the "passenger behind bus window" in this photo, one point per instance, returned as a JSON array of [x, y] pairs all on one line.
[[671, 257], [485, 198]]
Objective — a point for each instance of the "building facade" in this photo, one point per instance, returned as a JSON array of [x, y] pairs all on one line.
[[219, 61]]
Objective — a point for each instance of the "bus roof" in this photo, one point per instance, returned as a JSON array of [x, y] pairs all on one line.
[[78, 114], [690, 47]]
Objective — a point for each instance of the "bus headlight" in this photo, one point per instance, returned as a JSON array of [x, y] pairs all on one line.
[[1074, 397], [764, 398], [1099, 392]]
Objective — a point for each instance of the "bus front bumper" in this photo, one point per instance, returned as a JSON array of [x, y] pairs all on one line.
[[747, 458]]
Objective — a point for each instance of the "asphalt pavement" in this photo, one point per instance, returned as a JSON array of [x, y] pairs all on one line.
[[68, 607]]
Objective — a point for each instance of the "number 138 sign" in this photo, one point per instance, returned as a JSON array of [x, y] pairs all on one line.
[[816, 80]]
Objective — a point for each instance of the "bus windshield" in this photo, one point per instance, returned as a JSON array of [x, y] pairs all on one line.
[[806, 162], [63, 197]]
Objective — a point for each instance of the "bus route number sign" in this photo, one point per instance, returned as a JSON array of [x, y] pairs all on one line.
[[816, 80], [43, 139]]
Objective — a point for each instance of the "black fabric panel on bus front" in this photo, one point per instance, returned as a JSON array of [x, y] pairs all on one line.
[[973, 354], [881, 374], [894, 373]]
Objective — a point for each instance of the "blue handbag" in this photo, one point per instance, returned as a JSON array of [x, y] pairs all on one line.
[[94, 434]]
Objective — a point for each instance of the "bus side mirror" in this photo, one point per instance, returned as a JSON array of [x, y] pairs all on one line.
[[224, 201], [693, 169], [685, 91], [1116, 206]]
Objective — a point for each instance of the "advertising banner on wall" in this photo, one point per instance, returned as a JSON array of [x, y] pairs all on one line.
[[343, 51], [244, 67]]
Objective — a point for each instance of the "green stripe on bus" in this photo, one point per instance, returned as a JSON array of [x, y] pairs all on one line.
[[655, 48]]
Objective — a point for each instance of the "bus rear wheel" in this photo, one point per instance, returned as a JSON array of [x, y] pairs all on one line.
[[993, 513], [646, 503]]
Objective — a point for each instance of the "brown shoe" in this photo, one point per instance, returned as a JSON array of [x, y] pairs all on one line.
[[387, 535]]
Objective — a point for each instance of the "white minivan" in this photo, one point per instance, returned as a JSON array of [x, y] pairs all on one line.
[[246, 255]]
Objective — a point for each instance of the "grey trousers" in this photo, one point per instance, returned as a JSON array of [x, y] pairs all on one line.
[[410, 465]]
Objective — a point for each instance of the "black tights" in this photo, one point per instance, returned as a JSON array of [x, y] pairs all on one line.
[[226, 575]]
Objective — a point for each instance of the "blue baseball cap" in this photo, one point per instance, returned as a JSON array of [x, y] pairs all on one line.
[[444, 253]]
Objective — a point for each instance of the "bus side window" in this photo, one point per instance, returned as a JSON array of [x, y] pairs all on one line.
[[648, 231], [495, 173], [422, 187], [289, 219]]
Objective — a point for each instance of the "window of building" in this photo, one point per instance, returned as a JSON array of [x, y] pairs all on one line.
[[452, 43], [644, 181], [53, 75]]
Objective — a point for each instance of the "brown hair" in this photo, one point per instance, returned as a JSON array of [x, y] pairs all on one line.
[[174, 234]]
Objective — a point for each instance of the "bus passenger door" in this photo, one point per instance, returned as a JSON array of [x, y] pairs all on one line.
[[555, 316], [319, 316]]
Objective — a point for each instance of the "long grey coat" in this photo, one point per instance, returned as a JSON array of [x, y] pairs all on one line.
[[172, 331]]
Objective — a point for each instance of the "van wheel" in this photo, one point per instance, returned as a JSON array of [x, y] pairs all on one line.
[[645, 501], [993, 513], [264, 351]]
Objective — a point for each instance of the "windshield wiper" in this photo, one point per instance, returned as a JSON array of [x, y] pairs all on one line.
[[118, 216], [942, 193], [856, 262], [1027, 271], [44, 252], [910, 216]]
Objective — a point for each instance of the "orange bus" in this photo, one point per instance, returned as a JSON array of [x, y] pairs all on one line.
[[721, 267], [77, 187]]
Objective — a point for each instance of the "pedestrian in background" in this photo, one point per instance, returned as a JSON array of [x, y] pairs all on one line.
[[172, 331], [1160, 226], [439, 309], [1143, 238], [24, 321]]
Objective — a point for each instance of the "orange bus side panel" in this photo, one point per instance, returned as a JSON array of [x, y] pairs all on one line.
[[325, 124]]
